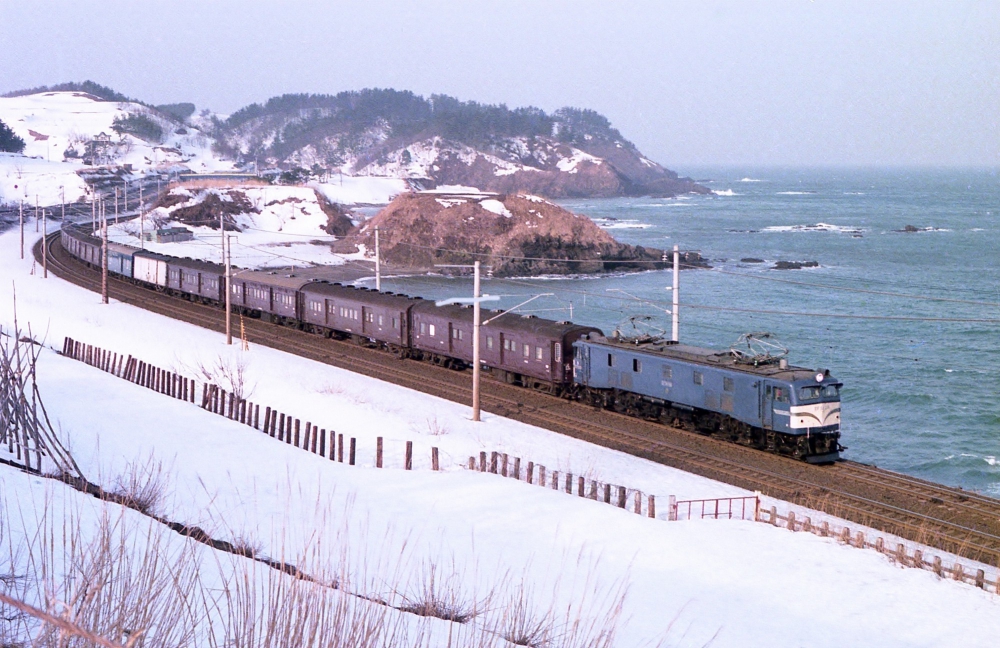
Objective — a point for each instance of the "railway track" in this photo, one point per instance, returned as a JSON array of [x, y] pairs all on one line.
[[954, 520]]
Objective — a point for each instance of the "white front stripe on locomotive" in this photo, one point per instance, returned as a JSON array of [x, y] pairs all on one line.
[[811, 416]]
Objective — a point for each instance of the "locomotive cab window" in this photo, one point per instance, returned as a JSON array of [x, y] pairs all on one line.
[[699, 378], [807, 393], [636, 365], [781, 394]]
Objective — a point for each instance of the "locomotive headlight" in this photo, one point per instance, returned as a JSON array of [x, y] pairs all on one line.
[[819, 377]]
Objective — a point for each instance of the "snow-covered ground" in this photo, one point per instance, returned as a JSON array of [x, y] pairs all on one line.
[[692, 583], [282, 229], [362, 190], [52, 123]]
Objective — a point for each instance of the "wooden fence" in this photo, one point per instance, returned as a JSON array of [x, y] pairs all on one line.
[[274, 423], [283, 427]]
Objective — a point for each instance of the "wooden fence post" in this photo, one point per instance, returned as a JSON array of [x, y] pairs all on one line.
[[322, 442], [493, 462], [593, 489], [503, 466], [305, 438], [472, 463], [791, 520], [434, 459], [918, 559], [409, 456], [354, 447], [529, 477], [312, 447], [807, 524], [267, 419], [298, 425], [607, 493], [638, 503], [256, 417], [981, 579], [958, 571], [581, 487], [378, 451], [482, 461], [555, 480], [880, 544], [859, 540], [651, 507], [569, 483], [774, 515], [204, 396], [541, 475], [622, 497], [672, 509], [517, 468], [937, 566], [281, 427]]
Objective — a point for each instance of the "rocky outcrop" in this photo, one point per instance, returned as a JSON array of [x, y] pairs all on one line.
[[514, 235]]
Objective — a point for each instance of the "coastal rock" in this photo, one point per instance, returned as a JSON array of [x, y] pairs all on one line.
[[795, 265], [514, 235], [751, 260]]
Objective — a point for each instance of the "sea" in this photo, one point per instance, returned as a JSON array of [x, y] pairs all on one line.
[[903, 307]]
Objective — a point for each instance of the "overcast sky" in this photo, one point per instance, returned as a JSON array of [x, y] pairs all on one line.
[[694, 82]]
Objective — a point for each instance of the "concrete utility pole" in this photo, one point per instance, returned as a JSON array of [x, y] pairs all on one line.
[[63, 190], [227, 245], [36, 213], [104, 255], [378, 264], [125, 183], [116, 203], [93, 211], [45, 246], [20, 220], [142, 227], [674, 316], [476, 325]]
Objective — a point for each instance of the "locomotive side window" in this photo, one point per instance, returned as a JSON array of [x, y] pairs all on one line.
[[636, 365], [611, 360], [668, 372], [727, 383], [781, 394], [699, 379]]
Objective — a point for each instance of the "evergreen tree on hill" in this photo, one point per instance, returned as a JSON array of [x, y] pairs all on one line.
[[9, 141]]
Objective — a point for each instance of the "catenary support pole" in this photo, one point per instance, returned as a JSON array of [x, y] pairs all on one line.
[[20, 220], [674, 316], [378, 264], [229, 289], [476, 364], [45, 246], [142, 232], [104, 255]]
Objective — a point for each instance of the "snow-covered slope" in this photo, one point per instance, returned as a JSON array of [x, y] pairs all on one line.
[[695, 583], [56, 127]]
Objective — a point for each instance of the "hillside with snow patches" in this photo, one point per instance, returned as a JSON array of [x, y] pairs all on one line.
[[378, 542]]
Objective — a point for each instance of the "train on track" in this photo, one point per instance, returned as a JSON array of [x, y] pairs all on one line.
[[761, 403]]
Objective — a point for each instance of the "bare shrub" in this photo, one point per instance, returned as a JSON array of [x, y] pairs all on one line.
[[434, 428], [442, 598], [142, 486], [230, 373]]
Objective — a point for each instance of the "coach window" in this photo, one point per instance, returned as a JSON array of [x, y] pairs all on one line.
[[430, 330], [423, 328], [538, 353], [727, 383], [395, 323], [527, 350], [489, 342], [370, 317], [636, 365], [698, 378], [380, 321]]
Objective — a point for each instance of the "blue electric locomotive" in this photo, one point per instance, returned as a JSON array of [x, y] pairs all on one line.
[[770, 405]]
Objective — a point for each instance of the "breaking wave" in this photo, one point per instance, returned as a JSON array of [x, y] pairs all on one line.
[[816, 227]]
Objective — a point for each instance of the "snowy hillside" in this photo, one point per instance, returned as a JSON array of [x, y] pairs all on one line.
[[272, 226], [490, 544], [56, 128]]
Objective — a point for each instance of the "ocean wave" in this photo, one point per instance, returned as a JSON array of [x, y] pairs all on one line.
[[795, 193], [750, 180], [725, 192], [817, 227], [614, 223]]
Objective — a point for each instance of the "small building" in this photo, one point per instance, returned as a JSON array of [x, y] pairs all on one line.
[[170, 235]]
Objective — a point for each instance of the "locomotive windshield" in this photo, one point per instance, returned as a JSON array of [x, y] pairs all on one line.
[[817, 391]]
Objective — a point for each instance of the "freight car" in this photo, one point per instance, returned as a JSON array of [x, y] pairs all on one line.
[[767, 405]]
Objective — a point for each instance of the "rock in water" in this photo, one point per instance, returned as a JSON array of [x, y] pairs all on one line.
[[515, 235]]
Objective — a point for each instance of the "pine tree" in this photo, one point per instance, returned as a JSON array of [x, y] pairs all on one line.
[[9, 141]]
